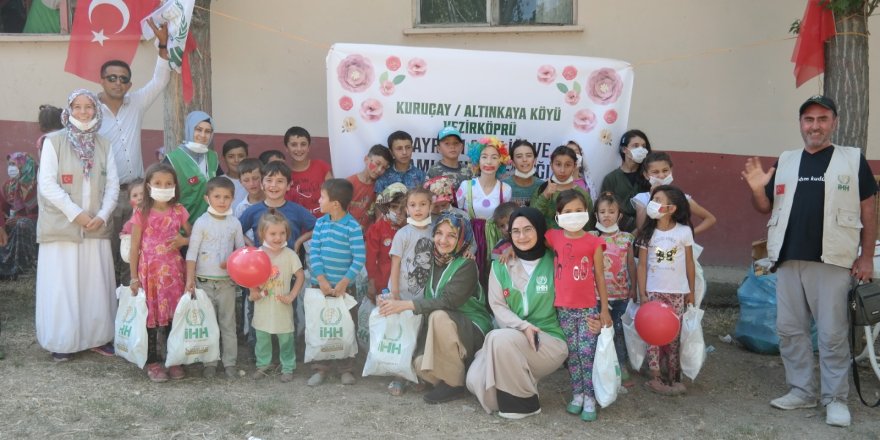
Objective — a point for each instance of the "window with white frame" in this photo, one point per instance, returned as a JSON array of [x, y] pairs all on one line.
[[36, 16], [455, 13]]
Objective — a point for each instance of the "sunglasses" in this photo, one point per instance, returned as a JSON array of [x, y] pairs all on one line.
[[122, 78]]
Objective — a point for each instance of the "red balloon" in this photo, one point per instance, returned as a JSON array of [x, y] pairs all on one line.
[[657, 323], [249, 267]]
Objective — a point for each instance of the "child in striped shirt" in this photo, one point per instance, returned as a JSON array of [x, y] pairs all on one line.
[[336, 257]]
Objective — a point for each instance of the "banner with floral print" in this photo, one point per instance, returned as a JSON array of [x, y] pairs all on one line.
[[374, 90]]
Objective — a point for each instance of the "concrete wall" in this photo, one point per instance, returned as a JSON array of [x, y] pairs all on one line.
[[713, 80]]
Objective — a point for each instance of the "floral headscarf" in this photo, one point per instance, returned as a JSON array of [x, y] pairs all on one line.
[[21, 191], [83, 141], [465, 236], [441, 188], [475, 148]]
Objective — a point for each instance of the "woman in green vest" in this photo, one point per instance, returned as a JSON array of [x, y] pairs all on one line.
[[195, 163], [455, 307], [529, 344]]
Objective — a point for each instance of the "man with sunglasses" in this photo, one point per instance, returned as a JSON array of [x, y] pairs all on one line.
[[123, 114]]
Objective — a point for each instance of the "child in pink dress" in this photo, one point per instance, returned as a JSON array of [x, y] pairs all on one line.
[[155, 258]]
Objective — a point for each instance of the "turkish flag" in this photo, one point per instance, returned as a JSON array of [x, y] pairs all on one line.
[[104, 30], [809, 50]]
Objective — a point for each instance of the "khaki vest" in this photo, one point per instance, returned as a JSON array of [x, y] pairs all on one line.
[[842, 208], [52, 224]]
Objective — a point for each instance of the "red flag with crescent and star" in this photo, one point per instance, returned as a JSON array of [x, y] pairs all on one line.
[[104, 30], [809, 50]]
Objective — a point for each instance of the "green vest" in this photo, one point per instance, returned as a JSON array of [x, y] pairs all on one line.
[[535, 305], [474, 308], [192, 181]]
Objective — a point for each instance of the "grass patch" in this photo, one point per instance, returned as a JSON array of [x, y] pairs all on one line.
[[205, 408]]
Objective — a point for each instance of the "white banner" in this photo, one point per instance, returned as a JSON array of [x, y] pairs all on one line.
[[375, 90]]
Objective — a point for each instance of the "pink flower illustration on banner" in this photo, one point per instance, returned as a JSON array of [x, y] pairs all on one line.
[[392, 63], [611, 116], [346, 103], [371, 110], [546, 74], [572, 97], [584, 120], [604, 86], [417, 67], [387, 88], [355, 73], [569, 72]]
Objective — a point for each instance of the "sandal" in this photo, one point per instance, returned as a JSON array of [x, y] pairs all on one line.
[[396, 388], [261, 373], [657, 386]]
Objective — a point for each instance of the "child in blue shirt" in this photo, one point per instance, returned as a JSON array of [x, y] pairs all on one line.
[[336, 256]]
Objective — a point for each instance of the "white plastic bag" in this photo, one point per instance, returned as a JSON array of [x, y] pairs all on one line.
[[636, 348], [392, 344], [606, 369], [130, 337], [693, 347], [124, 246], [363, 324], [699, 277], [329, 327], [194, 336]]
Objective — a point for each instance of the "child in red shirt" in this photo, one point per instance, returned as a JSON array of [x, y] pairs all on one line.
[[307, 174], [391, 216], [377, 160], [578, 276]]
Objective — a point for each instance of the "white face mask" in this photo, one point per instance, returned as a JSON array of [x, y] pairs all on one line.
[[197, 148], [523, 175], [12, 171], [392, 217], [580, 161], [657, 182], [607, 229], [83, 126], [162, 194], [274, 247], [565, 182], [419, 223], [213, 211], [638, 154], [573, 221], [653, 210]]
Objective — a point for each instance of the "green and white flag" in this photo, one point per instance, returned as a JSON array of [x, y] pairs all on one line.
[[178, 15]]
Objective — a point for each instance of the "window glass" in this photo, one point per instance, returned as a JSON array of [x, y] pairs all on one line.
[[521, 12], [452, 12]]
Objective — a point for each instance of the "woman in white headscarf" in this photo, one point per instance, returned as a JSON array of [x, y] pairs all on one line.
[[195, 163], [77, 189]]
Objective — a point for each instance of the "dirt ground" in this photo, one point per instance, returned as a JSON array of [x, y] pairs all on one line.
[[94, 396]]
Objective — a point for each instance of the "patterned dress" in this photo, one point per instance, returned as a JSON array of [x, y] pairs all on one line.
[[161, 268]]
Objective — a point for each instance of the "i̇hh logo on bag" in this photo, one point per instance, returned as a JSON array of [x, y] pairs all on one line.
[[331, 317], [196, 332], [390, 343]]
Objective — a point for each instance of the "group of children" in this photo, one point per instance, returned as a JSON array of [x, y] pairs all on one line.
[[379, 220]]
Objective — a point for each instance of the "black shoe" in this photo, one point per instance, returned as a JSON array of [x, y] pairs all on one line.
[[444, 393]]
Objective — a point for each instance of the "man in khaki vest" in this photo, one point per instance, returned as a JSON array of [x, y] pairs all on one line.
[[821, 201]]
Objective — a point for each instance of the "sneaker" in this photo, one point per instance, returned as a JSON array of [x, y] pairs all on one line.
[[589, 412], [518, 416], [442, 392], [347, 378], [61, 357], [105, 350], [176, 372], [261, 373], [231, 373], [576, 405], [792, 401], [396, 388], [209, 372], [837, 414], [156, 372], [316, 379], [286, 377]]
